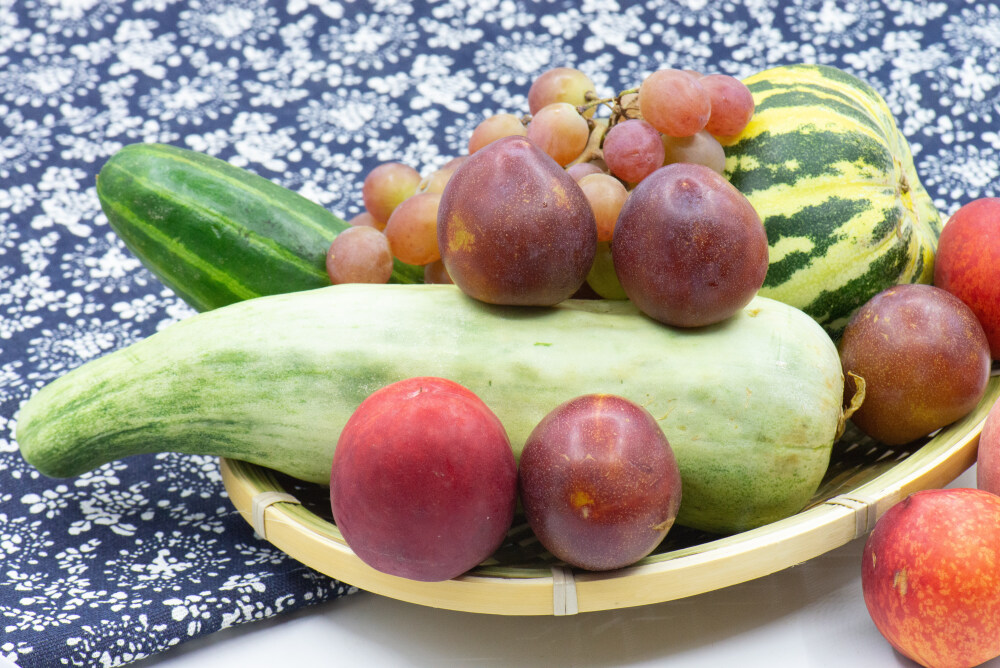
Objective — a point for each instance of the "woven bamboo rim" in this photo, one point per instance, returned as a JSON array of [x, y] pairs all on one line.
[[864, 480]]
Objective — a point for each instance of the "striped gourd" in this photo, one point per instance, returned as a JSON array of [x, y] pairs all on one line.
[[214, 233], [833, 180]]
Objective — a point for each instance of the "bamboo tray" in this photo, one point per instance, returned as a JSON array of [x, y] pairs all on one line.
[[864, 480]]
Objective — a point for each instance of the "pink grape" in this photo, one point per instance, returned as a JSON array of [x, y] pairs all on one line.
[[455, 163], [700, 148], [438, 179], [560, 131], [633, 150], [674, 102], [436, 272], [602, 277], [560, 84], [365, 219], [732, 104], [494, 127], [359, 255], [386, 186], [582, 169], [412, 229], [606, 195]]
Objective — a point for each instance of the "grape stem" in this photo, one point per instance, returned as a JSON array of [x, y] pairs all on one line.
[[592, 151], [592, 100], [625, 110], [600, 126]]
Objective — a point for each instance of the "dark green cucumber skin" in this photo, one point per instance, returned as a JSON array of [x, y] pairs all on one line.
[[217, 234]]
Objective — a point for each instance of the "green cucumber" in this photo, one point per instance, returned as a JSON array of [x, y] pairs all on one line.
[[751, 406], [214, 233]]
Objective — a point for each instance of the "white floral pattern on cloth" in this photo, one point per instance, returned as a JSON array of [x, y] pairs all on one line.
[[143, 554]]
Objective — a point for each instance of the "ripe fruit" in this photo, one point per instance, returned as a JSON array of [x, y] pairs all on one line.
[[931, 577], [560, 84], [606, 196], [732, 104], [386, 186], [968, 263], [412, 229], [700, 148], [924, 358], [514, 227], [365, 219], [674, 102], [559, 130], [436, 273], [602, 277], [633, 150], [423, 483], [438, 179], [582, 169], [494, 127], [988, 458], [599, 483], [359, 254], [689, 249]]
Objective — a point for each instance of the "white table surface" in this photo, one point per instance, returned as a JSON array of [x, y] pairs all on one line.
[[809, 615]]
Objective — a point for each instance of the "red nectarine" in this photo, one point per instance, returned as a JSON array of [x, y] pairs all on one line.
[[968, 263], [424, 482], [931, 577], [988, 457]]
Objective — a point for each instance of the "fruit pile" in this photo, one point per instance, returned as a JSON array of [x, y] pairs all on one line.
[[659, 224], [929, 572], [506, 224], [635, 205], [674, 207]]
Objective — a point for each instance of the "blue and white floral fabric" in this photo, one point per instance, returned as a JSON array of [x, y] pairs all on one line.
[[143, 554]]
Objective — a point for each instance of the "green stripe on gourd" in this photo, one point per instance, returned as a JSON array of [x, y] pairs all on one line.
[[813, 97], [215, 233], [833, 180]]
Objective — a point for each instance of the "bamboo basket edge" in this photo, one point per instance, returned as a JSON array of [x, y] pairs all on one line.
[[724, 562]]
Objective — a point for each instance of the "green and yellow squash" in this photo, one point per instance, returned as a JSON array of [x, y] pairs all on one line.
[[833, 180]]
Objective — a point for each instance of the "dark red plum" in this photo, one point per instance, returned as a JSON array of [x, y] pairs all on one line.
[[599, 482], [924, 357], [515, 228], [689, 249]]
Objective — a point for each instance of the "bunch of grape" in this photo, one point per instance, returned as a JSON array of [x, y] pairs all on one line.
[[673, 116], [399, 221]]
